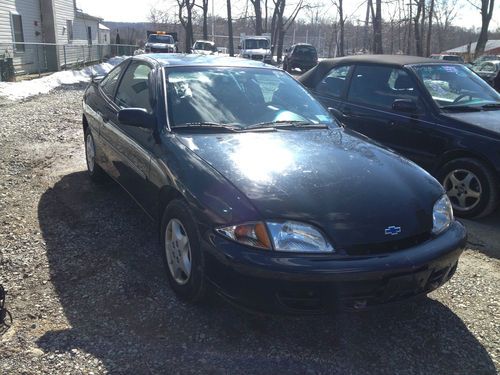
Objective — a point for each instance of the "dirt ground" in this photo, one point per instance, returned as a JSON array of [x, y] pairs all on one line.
[[88, 293]]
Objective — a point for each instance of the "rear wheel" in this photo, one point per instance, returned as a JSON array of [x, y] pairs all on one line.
[[95, 172], [471, 187], [181, 252]]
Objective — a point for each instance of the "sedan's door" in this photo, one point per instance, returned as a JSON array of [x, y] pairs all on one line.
[[372, 109], [132, 145]]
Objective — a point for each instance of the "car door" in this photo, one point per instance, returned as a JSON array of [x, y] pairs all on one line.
[[371, 110], [332, 89], [130, 146]]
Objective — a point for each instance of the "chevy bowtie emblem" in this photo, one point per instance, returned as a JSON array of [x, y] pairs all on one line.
[[392, 230]]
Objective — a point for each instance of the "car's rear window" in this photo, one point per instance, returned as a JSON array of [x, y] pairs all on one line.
[[305, 51]]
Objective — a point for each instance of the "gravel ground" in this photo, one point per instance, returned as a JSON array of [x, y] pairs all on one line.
[[88, 293]]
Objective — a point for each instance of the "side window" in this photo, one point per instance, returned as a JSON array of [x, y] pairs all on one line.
[[488, 67], [335, 82], [108, 84], [133, 91], [381, 85]]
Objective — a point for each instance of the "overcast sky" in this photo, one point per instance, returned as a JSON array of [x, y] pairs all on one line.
[[135, 11]]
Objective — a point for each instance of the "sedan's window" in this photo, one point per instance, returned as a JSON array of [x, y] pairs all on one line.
[[455, 86], [488, 67], [335, 82], [381, 85], [239, 97], [108, 84], [133, 91]]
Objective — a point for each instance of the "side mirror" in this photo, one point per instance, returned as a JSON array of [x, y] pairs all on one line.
[[97, 78], [404, 105], [137, 117]]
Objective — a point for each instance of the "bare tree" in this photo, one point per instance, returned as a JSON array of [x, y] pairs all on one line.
[[186, 6], [444, 14], [340, 9], [486, 9], [230, 28], [258, 16], [377, 26], [280, 25], [418, 26], [204, 10], [429, 29]]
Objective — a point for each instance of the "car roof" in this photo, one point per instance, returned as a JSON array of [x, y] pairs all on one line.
[[311, 77], [204, 41], [182, 59]]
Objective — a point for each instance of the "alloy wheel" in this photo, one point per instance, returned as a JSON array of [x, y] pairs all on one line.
[[178, 251], [463, 188]]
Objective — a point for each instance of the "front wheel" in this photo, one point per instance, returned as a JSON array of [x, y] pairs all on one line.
[[471, 187], [181, 252], [95, 172]]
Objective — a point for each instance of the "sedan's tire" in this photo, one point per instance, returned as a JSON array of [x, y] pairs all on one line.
[[471, 186], [181, 252], [285, 67], [96, 173]]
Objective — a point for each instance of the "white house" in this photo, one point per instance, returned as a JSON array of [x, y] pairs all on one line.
[[104, 34], [68, 35]]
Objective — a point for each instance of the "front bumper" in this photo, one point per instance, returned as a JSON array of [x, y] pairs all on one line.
[[290, 283]]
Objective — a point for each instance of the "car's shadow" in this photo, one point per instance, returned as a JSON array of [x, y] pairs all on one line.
[[105, 268]]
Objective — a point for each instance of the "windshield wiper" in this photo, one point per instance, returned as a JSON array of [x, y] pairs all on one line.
[[461, 108], [287, 124], [207, 125]]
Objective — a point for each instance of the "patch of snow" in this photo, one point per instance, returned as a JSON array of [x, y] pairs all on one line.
[[25, 89]]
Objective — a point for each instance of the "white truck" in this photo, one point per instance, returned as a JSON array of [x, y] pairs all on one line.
[[256, 48]]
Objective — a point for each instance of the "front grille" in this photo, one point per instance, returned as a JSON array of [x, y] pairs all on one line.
[[162, 50], [257, 57], [389, 246]]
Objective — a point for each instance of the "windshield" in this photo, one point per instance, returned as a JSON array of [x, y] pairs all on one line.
[[240, 97], [455, 85], [156, 38], [256, 43], [304, 51], [204, 46]]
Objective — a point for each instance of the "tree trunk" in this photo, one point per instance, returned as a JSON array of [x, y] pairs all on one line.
[[418, 35], [486, 14], [230, 28], [429, 30], [258, 16], [205, 19], [341, 26], [366, 42], [377, 28]]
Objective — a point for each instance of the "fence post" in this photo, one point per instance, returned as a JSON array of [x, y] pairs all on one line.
[[65, 61]]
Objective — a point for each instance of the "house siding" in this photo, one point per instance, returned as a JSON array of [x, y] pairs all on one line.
[[29, 10]]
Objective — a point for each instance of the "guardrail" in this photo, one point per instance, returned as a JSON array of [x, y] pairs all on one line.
[[37, 58]]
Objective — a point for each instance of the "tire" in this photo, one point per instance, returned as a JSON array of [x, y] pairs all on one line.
[[471, 186], [95, 172], [285, 67], [188, 287]]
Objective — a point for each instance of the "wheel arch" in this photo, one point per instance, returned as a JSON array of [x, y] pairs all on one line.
[[459, 154]]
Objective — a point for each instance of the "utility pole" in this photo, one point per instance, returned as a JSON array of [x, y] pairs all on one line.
[[213, 22]]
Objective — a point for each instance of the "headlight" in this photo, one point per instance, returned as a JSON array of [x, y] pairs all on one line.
[[289, 236], [442, 214]]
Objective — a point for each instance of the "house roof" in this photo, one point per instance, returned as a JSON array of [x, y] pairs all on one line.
[[102, 27], [490, 45], [86, 16]]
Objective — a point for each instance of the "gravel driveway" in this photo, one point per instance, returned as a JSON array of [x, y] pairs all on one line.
[[88, 294]]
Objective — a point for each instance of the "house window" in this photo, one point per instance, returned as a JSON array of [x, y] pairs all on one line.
[[17, 30], [105, 37], [89, 34], [69, 28]]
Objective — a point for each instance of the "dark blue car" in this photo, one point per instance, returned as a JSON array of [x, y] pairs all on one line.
[[258, 192], [437, 113]]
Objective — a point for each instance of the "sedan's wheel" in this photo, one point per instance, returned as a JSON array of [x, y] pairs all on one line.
[[182, 255], [471, 187], [94, 170], [178, 251]]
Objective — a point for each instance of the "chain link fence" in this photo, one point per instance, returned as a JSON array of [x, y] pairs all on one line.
[[37, 58]]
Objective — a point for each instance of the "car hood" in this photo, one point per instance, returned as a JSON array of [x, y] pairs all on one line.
[[488, 120], [350, 188]]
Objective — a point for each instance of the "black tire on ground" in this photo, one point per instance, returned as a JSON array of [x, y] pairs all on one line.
[[95, 172], [194, 290], [285, 67], [485, 181]]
